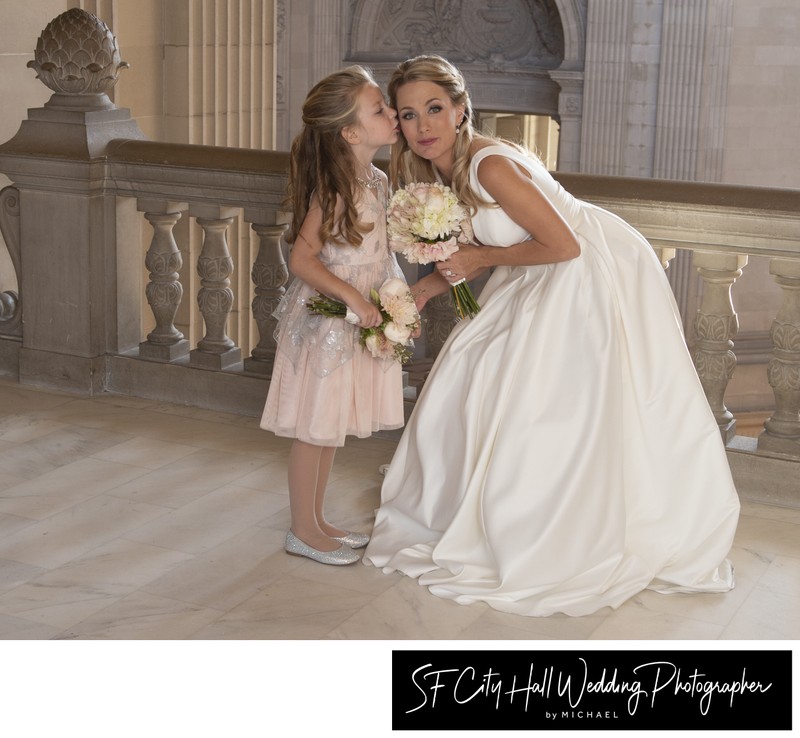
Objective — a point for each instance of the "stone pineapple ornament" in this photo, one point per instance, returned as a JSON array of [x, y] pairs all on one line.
[[78, 55]]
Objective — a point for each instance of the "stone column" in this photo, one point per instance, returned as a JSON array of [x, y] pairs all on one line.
[[690, 112], [570, 114], [782, 429], [716, 326], [311, 42]]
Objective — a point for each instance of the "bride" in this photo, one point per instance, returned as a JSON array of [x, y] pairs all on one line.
[[562, 455]]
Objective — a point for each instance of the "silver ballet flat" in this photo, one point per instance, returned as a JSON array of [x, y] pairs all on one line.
[[352, 539], [340, 557]]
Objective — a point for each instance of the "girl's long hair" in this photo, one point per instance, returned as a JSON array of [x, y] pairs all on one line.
[[322, 162], [405, 166]]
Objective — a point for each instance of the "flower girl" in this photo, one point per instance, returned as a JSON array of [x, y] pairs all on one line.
[[326, 384]]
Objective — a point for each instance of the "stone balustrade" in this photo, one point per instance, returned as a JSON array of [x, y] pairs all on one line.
[[721, 225], [212, 186]]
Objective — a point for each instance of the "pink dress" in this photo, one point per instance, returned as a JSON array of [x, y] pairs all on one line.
[[325, 385]]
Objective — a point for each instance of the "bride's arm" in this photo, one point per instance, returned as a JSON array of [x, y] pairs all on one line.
[[552, 239]]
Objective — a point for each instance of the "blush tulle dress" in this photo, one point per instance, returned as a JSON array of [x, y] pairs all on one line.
[[325, 385], [562, 456]]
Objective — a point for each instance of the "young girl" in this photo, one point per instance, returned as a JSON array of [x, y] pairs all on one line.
[[324, 385]]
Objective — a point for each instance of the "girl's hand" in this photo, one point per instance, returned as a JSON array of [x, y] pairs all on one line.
[[369, 316], [420, 296], [428, 287]]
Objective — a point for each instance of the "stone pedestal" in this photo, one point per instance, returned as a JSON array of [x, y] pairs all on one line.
[[68, 277]]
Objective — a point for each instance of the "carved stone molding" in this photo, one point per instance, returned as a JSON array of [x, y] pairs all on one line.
[[498, 34], [505, 48]]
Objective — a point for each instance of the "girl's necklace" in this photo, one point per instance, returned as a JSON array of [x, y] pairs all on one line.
[[375, 185], [370, 184]]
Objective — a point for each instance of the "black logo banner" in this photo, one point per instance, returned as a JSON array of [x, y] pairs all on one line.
[[592, 690]]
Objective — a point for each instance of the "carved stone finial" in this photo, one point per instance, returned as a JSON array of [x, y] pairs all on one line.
[[78, 55]]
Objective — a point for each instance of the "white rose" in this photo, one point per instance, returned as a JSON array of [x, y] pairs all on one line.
[[396, 333], [393, 286]]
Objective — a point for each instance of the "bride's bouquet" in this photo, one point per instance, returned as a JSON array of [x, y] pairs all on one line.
[[426, 223], [392, 338]]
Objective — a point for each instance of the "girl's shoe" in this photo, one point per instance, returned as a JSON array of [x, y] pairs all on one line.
[[352, 539], [339, 557]]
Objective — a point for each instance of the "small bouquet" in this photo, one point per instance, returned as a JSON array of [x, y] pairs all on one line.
[[426, 223], [392, 338]]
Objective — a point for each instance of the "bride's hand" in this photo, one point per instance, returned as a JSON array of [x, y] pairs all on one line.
[[462, 264]]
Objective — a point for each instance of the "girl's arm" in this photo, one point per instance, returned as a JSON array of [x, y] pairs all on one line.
[[427, 287], [552, 239], [304, 263]]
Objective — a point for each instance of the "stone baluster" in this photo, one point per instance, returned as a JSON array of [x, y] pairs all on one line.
[[215, 297], [269, 275], [782, 430], [164, 290], [716, 325], [440, 317]]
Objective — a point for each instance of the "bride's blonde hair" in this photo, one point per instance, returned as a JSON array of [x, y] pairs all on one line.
[[405, 166]]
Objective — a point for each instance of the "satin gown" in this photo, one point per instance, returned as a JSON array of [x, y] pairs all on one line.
[[562, 456]]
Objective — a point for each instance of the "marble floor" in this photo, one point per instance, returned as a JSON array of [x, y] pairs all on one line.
[[134, 524], [123, 518]]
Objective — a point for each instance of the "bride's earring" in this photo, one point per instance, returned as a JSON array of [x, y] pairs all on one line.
[[460, 123]]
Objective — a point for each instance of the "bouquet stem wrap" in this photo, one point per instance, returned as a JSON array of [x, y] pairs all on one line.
[[464, 301]]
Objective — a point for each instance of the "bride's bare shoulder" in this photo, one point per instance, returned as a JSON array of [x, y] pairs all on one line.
[[480, 143]]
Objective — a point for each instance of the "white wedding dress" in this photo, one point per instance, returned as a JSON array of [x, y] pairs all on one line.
[[562, 456]]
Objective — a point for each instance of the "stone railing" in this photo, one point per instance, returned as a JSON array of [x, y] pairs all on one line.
[[721, 225], [96, 304]]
